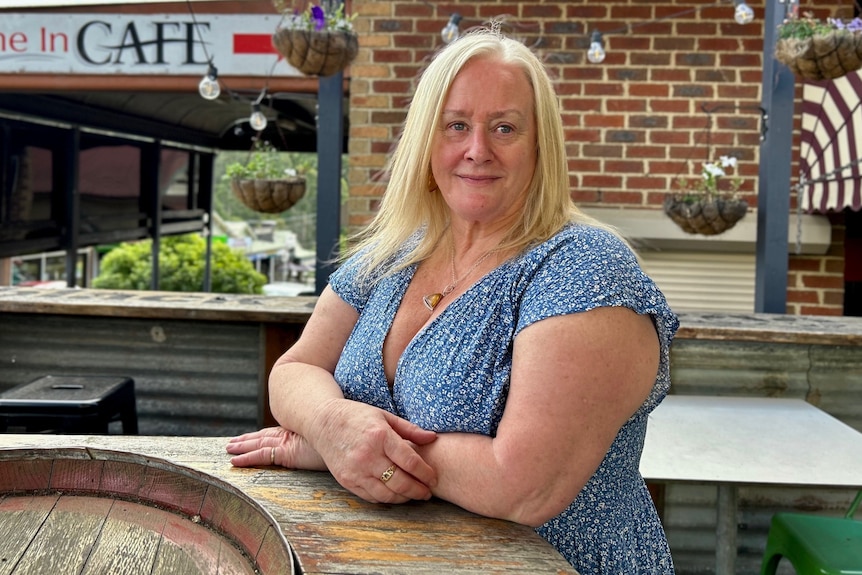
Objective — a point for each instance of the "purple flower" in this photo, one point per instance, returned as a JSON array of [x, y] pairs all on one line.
[[318, 17], [854, 25]]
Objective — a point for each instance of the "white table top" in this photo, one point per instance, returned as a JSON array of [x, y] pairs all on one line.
[[750, 440]]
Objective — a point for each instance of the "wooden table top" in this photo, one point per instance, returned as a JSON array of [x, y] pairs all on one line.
[[329, 529]]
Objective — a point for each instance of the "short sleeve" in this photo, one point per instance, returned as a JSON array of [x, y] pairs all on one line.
[[345, 283], [585, 268]]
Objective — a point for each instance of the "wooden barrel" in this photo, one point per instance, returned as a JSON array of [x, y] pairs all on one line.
[[84, 510]]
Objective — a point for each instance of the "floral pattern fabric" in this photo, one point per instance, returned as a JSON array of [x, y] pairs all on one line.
[[454, 376]]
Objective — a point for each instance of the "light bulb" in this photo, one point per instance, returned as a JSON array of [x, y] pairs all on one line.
[[450, 31], [743, 14], [596, 53], [209, 87], [257, 120]]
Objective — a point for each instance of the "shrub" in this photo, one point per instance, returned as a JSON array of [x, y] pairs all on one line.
[[182, 261]]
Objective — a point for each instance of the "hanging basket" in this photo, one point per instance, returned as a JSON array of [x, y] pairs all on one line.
[[707, 215], [316, 53], [268, 196], [821, 57]]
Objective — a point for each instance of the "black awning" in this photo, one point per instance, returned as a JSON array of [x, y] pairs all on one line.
[[175, 117]]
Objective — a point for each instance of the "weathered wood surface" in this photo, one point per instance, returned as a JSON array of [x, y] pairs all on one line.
[[164, 517], [334, 532], [771, 328], [150, 304], [90, 535], [774, 328]]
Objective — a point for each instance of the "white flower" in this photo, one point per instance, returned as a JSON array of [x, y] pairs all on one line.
[[727, 162], [712, 171]]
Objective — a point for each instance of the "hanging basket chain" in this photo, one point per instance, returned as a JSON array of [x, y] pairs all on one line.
[[266, 195], [828, 176], [708, 211]]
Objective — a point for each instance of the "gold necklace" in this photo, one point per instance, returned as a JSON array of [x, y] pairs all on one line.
[[432, 299]]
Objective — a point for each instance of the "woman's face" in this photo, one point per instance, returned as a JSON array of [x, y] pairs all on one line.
[[484, 151]]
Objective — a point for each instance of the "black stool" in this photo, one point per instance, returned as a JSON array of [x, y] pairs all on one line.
[[70, 404]]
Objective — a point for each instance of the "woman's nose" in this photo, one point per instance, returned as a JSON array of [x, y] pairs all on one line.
[[479, 146]]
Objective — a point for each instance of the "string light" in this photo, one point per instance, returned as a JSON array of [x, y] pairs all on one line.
[[596, 54], [209, 88], [743, 14], [451, 31], [257, 120]]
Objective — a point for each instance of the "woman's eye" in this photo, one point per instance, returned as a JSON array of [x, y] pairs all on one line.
[[504, 129], [458, 126]]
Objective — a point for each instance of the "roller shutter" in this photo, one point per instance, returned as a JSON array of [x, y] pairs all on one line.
[[694, 281]]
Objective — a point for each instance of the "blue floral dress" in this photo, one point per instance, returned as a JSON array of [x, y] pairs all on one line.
[[454, 377]]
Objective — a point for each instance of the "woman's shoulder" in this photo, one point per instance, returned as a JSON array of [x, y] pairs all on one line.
[[585, 233], [583, 267], [584, 243]]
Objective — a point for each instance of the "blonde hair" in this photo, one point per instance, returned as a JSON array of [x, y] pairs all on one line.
[[407, 205]]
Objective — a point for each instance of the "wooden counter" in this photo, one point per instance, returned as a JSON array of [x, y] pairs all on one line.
[[201, 361], [771, 328], [329, 529], [161, 305], [774, 328]]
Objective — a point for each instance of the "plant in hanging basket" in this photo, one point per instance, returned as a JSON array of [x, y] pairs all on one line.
[[702, 207], [817, 50], [262, 183], [317, 41]]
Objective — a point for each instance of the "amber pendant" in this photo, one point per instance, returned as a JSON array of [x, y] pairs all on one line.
[[431, 300]]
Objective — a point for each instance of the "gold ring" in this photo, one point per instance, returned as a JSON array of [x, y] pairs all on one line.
[[387, 475], [272, 456]]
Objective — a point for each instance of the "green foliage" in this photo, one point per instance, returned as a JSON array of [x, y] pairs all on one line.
[[808, 26], [708, 184], [264, 163], [182, 260], [328, 15], [300, 219]]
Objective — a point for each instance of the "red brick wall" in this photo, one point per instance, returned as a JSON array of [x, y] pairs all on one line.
[[635, 123], [815, 285]]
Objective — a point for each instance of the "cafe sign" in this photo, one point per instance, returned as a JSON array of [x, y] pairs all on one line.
[[140, 44]]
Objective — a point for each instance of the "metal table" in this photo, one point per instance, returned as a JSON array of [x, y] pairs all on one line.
[[732, 441]]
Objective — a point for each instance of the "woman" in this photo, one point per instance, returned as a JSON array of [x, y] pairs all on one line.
[[486, 343]]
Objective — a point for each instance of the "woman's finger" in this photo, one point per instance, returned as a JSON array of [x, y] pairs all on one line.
[[262, 457], [379, 494], [410, 431], [401, 483], [402, 454], [254, 440], [244, 446]]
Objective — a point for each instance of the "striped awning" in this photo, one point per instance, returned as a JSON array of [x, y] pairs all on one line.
[[830, 152]]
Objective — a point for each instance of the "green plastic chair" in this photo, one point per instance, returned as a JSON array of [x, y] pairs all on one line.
[[815, 545]]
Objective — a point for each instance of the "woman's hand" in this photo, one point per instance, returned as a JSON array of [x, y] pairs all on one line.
[[274, 446], [372, 452]]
